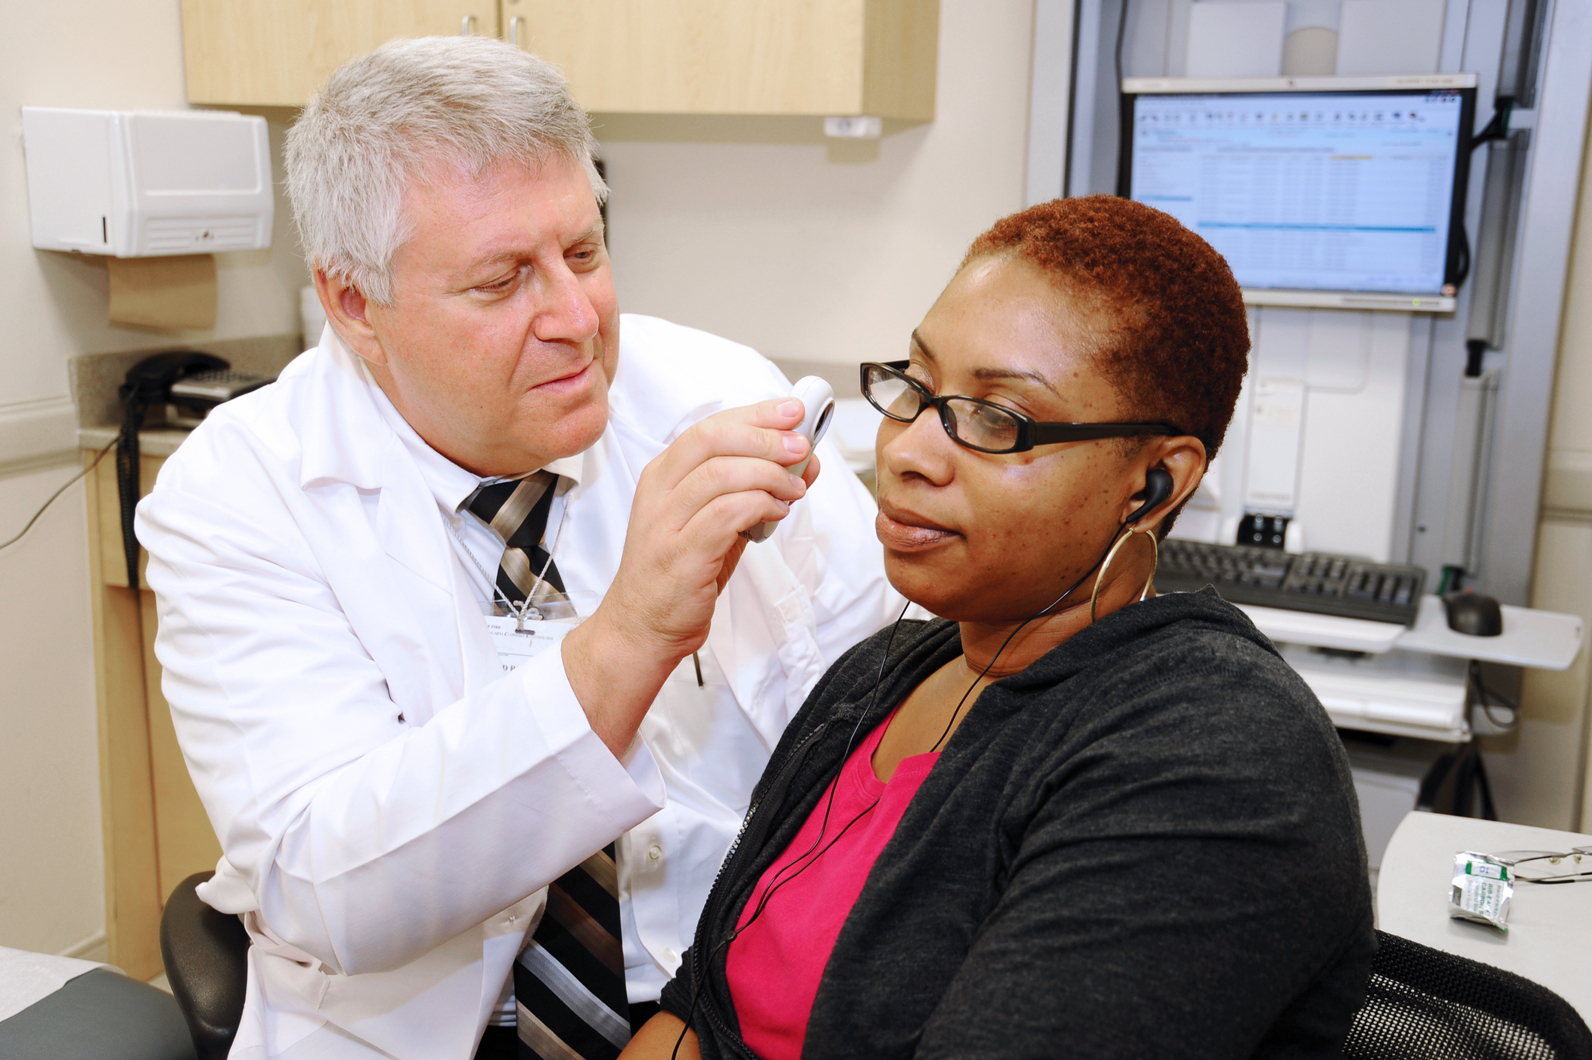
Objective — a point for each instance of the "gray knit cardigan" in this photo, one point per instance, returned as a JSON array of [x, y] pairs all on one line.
[[1146, 844]]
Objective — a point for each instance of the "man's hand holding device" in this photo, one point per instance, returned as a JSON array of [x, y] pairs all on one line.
[[696, 507], [818, 404]]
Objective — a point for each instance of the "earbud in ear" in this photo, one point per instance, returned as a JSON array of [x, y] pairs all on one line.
[[1157, 488]]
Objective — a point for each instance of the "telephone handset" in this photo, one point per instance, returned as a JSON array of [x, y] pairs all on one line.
[[152, 377], [148, 382]]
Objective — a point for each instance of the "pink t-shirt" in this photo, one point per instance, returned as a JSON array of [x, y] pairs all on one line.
[[775, 964]]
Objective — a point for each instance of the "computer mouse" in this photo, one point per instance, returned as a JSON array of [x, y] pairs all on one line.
[[1473, 614]]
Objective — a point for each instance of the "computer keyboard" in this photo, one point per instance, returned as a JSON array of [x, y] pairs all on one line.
[[1309, 581]]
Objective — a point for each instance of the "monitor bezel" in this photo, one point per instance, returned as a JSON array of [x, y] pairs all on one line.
[[1465, 84]]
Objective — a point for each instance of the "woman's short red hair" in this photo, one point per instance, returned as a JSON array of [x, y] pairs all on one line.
[[1158, 303]]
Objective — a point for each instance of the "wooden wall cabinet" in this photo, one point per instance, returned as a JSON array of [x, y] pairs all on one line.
[[773, 57], [277, 53], [816, 57]]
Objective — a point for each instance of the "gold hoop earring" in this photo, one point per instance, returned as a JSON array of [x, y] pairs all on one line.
[[1155, 561]]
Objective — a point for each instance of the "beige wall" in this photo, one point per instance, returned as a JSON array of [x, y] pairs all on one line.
[[120, 56], [51, 888], [1540, 772], [761, 230]]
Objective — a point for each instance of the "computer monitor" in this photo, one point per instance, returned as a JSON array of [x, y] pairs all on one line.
[[1319, 191]]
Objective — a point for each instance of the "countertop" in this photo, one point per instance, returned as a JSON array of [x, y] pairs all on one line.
[[96, 377], [157, 441]]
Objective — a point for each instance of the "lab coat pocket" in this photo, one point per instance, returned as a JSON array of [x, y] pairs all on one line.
[[701, 738]]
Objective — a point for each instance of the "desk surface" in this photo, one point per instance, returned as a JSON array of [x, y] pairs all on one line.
[[1545, 639], [155, 441], [1550, 927]]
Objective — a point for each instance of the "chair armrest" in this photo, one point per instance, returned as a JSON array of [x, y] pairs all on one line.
[[206, 956]]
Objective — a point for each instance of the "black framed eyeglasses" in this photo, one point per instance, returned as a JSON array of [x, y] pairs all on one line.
[[982, 425]]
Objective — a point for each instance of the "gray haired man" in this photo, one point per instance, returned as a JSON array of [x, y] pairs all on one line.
[[460, 608]]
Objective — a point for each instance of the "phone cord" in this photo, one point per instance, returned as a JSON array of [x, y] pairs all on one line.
[[127, 485]]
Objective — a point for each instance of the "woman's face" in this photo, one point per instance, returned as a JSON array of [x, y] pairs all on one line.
[[982, 537]]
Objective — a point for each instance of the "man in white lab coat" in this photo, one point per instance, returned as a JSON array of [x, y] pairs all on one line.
[[391, 794]]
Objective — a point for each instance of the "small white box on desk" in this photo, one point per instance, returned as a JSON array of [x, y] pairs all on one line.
[[135, 184]]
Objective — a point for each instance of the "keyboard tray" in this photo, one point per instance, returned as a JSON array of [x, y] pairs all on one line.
[[1317, 582]]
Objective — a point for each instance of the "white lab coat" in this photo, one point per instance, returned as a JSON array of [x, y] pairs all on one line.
[[389, 804]]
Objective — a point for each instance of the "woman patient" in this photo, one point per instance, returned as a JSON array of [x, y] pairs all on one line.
[[1068, 818]]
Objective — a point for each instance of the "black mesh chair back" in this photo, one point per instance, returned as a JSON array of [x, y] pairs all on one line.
[[1424, 1004], [206, 955]]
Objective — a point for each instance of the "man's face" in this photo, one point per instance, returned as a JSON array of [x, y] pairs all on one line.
[[503, 335]]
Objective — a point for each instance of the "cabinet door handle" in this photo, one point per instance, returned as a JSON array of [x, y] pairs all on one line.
[[514, 30], [467, 26]]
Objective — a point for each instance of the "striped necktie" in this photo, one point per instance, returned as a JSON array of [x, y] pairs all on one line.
[[569, 984], [518, 511]]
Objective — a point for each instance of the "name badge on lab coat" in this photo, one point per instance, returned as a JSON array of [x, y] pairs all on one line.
[[516, 646], [517, 641]]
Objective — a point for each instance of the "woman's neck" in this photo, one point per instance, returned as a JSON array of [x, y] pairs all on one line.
[[984, 643], [1013, 645]]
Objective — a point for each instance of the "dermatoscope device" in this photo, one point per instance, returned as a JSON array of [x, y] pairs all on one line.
[[818, 402]]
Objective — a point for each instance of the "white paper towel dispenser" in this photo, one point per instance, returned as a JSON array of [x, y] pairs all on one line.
[[136, 184]]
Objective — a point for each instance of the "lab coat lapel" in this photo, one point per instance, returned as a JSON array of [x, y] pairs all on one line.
[[417, 578], [404, 588], [409, 525], [476, 651], [339, 421]]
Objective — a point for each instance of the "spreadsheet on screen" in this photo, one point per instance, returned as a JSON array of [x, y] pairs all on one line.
[[1312, 191]]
